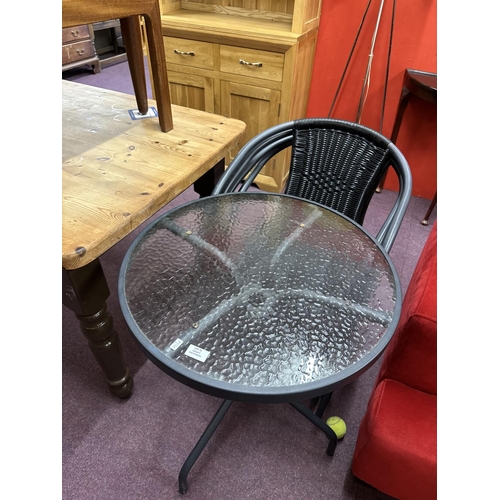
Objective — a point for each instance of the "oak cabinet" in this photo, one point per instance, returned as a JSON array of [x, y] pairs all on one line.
[[246, 59], [258, 107], [192, 91]]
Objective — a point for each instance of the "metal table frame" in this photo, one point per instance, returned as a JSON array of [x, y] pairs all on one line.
[[317, 391]]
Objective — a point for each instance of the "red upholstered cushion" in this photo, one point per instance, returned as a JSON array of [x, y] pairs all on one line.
[[396, 450], [397, 440], [411, 356]]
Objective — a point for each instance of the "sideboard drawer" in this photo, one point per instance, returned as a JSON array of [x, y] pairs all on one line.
[[249, 62], [77, 51], [189, 52], [76, 33]]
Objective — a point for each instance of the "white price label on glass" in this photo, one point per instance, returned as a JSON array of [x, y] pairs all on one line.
[[197, 353], [175, 345]]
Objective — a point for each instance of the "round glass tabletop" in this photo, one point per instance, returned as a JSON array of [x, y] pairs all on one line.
[[259, 297]]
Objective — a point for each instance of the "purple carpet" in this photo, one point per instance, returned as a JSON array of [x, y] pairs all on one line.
[[134, 449]]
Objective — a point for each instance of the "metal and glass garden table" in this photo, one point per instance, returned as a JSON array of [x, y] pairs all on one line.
[[259, 297]]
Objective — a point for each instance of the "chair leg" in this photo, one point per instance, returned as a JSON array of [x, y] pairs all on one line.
[[131, 32], [425, 220], [159, 68]]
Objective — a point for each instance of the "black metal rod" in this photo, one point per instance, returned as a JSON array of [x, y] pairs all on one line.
[[366, 81], [320, 424], [387, 67], [348, 60], [313, 402], [200, 445]]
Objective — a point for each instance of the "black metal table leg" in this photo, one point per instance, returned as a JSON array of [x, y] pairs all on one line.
[[84, 291], [313, 402], [200, 445], [323, 402], [320, 424]]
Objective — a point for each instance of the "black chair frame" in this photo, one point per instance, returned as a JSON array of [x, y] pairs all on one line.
[[336, 163]]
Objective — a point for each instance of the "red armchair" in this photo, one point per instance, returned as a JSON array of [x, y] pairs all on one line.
[[396, 448]]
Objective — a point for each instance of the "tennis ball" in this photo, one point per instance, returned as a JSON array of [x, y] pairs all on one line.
[[338, 426]]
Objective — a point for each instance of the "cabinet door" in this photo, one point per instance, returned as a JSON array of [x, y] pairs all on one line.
[[258, 107], [191, 91]]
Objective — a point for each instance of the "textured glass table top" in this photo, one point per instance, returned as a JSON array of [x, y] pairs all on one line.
[[259, 295]]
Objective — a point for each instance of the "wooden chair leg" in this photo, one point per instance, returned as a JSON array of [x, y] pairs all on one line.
[[425, 220], [131, 32], [159, 68]]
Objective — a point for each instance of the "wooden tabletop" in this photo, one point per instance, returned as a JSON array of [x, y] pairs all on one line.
[[117, 172]]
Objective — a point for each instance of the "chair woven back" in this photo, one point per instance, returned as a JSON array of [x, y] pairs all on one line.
[[336, 163], [336, 166]]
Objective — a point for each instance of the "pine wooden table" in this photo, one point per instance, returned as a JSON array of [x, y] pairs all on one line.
[[78, 12], [117, 172]]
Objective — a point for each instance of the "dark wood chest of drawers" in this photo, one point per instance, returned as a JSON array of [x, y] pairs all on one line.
[[78, 48]]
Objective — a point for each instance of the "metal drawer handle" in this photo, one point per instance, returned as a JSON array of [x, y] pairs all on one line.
[[183, 53], [80, 51], [259, 65], [75, 33]]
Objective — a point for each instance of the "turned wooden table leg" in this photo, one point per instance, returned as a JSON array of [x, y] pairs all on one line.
[[85, 292]]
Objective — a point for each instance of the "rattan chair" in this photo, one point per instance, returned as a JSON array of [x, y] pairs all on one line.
[[333, 162]]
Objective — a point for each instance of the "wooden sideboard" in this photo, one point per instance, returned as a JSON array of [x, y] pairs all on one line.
[[252, 62], [78, 48]]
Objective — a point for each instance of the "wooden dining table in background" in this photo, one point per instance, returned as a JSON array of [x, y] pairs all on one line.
[[78, 12], [118, 169]]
